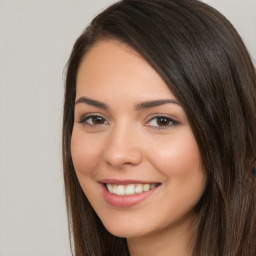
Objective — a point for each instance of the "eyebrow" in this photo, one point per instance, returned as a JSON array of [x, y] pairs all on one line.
[[92, 102], [155, 103], [140, 106]]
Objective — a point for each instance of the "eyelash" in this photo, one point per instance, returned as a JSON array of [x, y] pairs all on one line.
[[170, 121], [85, 120]]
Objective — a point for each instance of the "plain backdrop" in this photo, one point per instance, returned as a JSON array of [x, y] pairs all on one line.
[[36, 38]]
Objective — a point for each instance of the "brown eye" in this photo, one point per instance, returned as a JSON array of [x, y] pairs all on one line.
[[97, 120], [93, 120], [163, 121]]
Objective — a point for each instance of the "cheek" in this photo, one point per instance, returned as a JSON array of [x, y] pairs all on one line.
[[177, 156], [85, 152], [178, 159]]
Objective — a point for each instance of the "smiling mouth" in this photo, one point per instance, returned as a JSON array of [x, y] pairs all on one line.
[[130, 189]]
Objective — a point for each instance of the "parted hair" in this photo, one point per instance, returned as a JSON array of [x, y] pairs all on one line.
[[204, 62]]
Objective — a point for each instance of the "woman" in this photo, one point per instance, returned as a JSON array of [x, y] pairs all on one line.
[[159, 133]]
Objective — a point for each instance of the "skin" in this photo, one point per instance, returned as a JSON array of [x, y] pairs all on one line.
[[129, 142]]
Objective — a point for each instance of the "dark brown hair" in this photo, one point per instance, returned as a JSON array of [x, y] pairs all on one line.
[[204, 62]]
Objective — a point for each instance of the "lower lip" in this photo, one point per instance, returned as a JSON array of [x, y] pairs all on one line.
[[126, 201]]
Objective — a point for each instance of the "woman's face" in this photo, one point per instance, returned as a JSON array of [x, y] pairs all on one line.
[[133, 150]]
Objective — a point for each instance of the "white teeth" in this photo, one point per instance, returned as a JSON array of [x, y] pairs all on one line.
[[139, 189], [110, 188], [120, 190], [146, 187], [114, 189], [130, 189]]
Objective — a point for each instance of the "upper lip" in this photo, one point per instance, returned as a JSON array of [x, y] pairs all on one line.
[[125, 182]]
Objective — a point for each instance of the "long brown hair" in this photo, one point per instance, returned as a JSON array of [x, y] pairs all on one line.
[[204, 62]]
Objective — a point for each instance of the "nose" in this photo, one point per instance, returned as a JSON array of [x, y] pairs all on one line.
[[123, 148]]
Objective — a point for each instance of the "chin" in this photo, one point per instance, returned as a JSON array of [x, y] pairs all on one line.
[[126, 228]]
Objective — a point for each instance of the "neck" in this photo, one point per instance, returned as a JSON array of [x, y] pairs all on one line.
[[172, 241]]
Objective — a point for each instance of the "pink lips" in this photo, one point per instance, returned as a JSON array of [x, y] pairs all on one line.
[[124, 201]]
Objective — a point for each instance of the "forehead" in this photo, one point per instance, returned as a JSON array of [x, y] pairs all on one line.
[[112, 65]]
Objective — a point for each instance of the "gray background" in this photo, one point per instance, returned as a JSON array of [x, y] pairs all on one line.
[[36, 38]]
